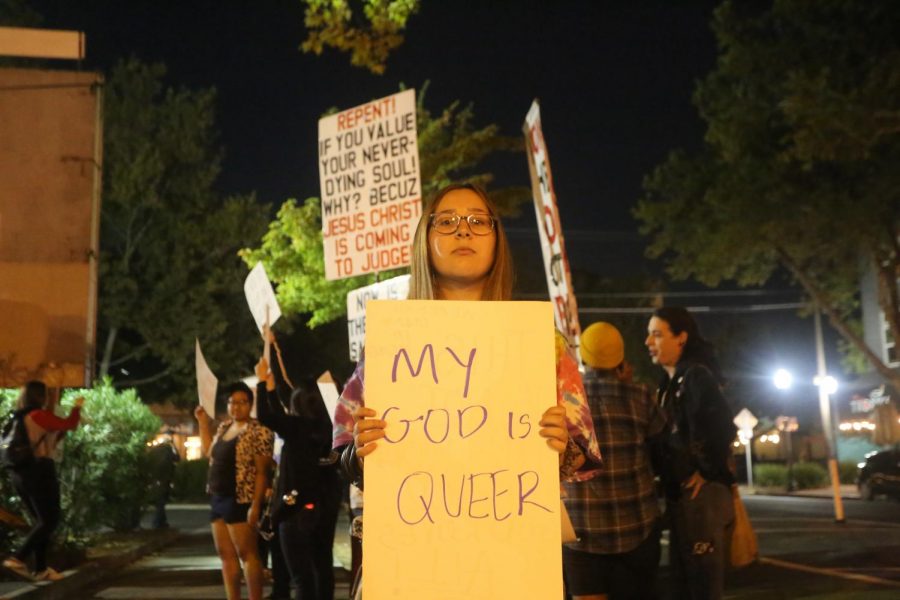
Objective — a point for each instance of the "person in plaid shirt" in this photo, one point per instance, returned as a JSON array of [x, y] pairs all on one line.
[[615, 515]]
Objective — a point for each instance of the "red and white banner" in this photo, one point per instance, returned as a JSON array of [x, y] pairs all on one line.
[[370, 186], [556, 262]]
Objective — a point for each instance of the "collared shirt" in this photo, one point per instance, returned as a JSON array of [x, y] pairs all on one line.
[[614, 512], [582, 460]]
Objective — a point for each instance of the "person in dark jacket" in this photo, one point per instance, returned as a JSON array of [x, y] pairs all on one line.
[[307, 493], [696, 470], [162, 459]]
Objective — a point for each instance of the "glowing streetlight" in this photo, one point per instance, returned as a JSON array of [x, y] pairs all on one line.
[[828, 383], [783, 379]]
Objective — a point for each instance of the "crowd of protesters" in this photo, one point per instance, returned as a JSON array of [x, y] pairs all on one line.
[[680, 438], [633, 462]]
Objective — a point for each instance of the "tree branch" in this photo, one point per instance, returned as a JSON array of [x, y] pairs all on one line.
[[835, 319], [107, 351], [128, 356], [137, 382]]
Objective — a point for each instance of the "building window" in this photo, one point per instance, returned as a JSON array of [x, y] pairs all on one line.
[[889, 344]]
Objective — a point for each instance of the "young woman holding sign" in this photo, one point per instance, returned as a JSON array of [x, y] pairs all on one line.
[[460, 252], [239, 455]]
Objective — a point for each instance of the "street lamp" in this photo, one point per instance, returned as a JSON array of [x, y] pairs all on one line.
[[828, 382], [827, 386], [783, 379]]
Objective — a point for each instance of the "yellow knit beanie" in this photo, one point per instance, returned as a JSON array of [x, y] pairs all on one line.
[[602, 346]]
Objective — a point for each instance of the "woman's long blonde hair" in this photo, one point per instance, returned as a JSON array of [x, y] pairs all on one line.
[[499, 279]]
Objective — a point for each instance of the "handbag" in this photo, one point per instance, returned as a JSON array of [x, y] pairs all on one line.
[[264, 526], [744, 547]]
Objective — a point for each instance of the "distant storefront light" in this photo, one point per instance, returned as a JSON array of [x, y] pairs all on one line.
[[192, 448]]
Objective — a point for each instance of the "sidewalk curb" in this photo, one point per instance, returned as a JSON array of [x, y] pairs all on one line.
[[847, 492], [797, 495], [89, 572]]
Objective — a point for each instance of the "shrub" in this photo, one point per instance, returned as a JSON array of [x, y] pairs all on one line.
[[809, 475], [770, 475], [103, 479], [9, 501], [847, 471], [189, 482]]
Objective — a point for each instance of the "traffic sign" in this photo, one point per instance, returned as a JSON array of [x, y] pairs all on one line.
[[745, 421]]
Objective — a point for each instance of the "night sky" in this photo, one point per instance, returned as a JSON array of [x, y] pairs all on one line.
[[614, 80]]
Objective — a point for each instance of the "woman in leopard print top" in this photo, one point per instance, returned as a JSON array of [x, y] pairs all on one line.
[[239, 456]]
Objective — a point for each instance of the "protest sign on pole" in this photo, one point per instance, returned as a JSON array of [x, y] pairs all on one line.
[[370, 186], [462, 495], [328, 389], [396, 288], [553, 247], [261, 297], [207, 384]]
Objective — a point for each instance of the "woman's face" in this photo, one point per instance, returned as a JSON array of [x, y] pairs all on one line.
[[664, 346], [461, 259], [239, 405]]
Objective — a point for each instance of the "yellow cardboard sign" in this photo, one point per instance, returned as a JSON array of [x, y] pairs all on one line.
[[462, 497]]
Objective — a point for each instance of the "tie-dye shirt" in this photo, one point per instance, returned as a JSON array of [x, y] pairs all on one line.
[[582, 458]]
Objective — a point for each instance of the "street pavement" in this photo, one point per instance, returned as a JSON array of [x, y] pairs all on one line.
[[804, 553], [190, 569]]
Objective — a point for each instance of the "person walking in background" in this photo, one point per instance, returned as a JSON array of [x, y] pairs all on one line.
[[615, 515], [36, 483], [163, 457], [306, 496], [238, 456], [696, 473]]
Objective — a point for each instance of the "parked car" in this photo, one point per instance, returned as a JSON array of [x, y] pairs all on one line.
[[880, 474]]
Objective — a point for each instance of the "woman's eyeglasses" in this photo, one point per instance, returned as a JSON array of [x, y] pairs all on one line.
[[232, 401], [447, 223]]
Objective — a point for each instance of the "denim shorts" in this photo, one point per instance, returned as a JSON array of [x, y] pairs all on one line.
[[228, 509]]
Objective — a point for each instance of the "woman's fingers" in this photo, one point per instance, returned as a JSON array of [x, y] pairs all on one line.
[[554, 417], [364, 437], [364, 451], [362, 412], [557, 446], [553, 427], [366, 430]]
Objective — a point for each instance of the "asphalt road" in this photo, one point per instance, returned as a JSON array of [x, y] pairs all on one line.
[[786, 507], [804, 554]]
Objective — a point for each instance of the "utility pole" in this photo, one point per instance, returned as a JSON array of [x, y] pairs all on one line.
[[827, 423]]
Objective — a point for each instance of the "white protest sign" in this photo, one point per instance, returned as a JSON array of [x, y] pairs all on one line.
[[329, 391], [261, 297], [396, 288], [207, 384], [251, 382], [370, 186], [553, 247]]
